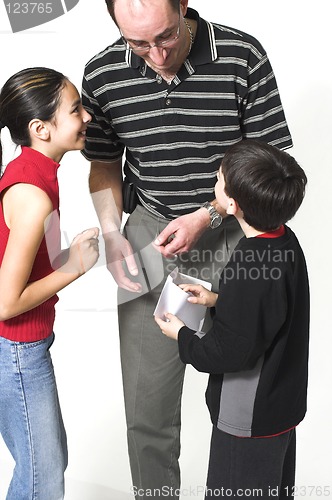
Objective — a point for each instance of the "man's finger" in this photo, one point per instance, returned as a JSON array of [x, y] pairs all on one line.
[[131, 264]]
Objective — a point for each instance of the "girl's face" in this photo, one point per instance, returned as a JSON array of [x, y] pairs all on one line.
[[68, 129]]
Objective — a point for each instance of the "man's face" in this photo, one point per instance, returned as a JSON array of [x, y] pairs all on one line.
[[151, 24]]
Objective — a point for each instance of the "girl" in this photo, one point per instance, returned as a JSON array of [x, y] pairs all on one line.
[[44, 115]]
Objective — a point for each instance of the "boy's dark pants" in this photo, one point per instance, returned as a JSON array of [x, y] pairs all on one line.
[[251, 467]]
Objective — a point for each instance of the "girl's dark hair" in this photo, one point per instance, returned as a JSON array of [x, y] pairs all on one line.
[[267, 183], [30, 93], [110, 7]]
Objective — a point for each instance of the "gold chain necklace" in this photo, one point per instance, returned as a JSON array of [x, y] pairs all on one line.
[[191, 34], [192, 38]]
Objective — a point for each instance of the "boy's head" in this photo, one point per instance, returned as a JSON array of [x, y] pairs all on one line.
[[267, 184]]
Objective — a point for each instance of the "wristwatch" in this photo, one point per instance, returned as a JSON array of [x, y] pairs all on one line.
[[215, 217]]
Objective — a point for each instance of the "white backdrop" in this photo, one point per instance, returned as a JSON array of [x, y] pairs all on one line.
[[86, 352]]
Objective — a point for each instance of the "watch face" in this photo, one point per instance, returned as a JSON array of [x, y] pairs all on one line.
[[216, 221], [215, 217]]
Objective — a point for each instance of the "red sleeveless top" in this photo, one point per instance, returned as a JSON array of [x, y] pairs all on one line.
[[32, 167]]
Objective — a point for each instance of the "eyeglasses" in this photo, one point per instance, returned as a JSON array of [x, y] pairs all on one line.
[[144, 48]]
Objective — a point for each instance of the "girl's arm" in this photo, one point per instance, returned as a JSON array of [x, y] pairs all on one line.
[[26, 208]]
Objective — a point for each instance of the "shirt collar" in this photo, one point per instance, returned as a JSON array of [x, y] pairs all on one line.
[[273, 234], [204, 49]]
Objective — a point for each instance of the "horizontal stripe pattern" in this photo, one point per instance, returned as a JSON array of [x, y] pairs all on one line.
[[174, 136]]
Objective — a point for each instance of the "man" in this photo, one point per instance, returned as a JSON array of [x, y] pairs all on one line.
[[172, 94]]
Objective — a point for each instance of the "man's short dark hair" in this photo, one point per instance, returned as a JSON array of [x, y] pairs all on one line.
[[110, 6], [266, 182]]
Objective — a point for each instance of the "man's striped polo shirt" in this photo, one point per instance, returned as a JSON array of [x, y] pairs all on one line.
[[175, 135]]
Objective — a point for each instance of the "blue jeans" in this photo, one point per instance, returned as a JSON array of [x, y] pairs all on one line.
[[30, 420]]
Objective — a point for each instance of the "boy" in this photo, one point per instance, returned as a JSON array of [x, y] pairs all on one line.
[[257, 349]]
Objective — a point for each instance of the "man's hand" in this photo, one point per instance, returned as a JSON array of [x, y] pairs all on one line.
[[200, 295], [171, 327], [106, 187], [119, 250], [181, 234]]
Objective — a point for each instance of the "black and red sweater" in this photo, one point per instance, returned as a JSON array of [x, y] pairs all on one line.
[[257, 349]]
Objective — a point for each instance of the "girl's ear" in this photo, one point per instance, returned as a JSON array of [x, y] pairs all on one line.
[[233, 207], [39, 130]]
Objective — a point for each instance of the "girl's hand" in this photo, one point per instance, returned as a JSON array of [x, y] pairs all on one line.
[[200, 295], [171, 327], [83, 252]]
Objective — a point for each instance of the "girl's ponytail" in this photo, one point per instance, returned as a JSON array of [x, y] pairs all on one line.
[[1, 127]]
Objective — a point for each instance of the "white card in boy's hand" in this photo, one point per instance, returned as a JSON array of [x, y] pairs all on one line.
[[174, 300]]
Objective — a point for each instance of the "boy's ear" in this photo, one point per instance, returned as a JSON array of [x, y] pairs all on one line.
[[233, 207], [39, 130]]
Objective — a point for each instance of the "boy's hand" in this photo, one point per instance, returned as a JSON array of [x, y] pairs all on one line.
[[171, 327], [200, 295]]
